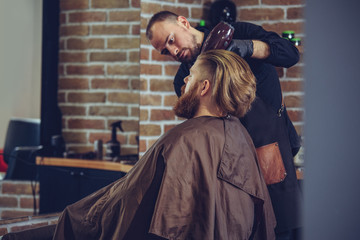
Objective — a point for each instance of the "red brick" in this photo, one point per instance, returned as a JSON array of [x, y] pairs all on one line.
[[61, 70], [134, 56], [86, 97], [295, 13], [150, 130], [81, 30], [198, 13], [150, 69], [297, 27], [282, 2], [296, 116], [171, 70], [123, 97], [72, 110], [15, 214], [135, 112], [87, 17], [108, 56], [72, 5], [110, 4], [144, 115], [83, 44], [239, 3], [151, 100], [280, 71], [85, 70], [292, 86], [170, 100], [108, 111], [110, 29], [143, 38], [142, 146], [161, 85], [156, 56], [17, 188], [133, 139], [109, 83], [28, 202], [61, 97], [263, 14], [86, 124], [135, 84], [125, 16], [67, 57], [135, 29], [123, 43], [8, 202], [3, 231], [182, 11], [132, 70], [295, 72], [61, 44], [159, 115], [135, 3], [73, 83], [62, 18], [130, 125], [144, 54], [150, 8], [74, 136], [143, 85], [293, 101]]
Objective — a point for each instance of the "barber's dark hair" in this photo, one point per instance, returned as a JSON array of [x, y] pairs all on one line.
[[159, 17]]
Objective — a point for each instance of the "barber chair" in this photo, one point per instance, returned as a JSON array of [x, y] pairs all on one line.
[[22, 144]]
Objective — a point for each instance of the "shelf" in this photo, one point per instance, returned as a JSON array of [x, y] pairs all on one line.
[[81, 163]]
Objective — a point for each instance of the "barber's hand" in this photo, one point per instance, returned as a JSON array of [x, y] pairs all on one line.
[[243, 48]]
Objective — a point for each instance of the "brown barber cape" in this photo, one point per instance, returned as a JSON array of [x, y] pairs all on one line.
[[200, 180]]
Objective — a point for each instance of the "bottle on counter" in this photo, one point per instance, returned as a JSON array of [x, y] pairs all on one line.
[[113, 146], [289, 34]]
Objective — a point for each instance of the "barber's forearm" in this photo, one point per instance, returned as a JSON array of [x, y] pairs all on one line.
[[261, 49]]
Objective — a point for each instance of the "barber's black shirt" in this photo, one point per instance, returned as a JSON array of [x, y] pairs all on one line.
[[282, 54]]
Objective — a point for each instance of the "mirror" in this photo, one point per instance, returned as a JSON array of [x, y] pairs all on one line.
[[86, 72]]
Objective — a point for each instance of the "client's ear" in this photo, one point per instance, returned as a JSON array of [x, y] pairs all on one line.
[[205, 87]]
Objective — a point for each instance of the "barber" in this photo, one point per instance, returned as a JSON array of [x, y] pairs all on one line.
[[268, 121]]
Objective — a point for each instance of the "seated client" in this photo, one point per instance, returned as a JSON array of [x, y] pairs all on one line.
[[200, 180]]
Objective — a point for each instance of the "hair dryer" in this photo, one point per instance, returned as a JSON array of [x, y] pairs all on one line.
[[219, 38]]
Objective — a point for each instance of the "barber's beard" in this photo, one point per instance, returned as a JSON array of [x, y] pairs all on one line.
[[194, 52], [188, 104]]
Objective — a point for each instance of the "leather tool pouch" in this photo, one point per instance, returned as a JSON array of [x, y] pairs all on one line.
[[271, 163]]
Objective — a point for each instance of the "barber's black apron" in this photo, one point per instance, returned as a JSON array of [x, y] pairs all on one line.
[[266, 125]]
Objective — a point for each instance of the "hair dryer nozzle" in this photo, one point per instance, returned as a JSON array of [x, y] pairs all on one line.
[[219, 38]]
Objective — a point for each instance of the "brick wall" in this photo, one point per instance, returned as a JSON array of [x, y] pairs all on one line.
[[17, 200], [157, 72], [99, 72]]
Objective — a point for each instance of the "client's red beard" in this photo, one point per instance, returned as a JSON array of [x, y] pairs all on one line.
[[188, 104]]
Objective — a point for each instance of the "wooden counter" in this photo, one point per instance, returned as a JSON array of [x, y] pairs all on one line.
[[81, 163]]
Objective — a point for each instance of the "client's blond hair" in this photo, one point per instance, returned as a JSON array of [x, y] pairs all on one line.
[[233, 82]]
